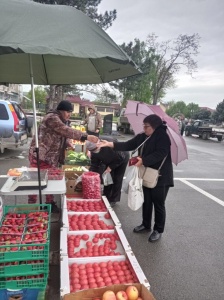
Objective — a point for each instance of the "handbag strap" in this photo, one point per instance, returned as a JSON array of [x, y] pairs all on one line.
[[162, 163], [140, 145], [142, 150]]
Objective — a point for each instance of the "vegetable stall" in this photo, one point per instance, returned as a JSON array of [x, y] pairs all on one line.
[[96, 260]]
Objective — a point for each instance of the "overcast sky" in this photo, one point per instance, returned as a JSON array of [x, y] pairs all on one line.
[[168, 19]]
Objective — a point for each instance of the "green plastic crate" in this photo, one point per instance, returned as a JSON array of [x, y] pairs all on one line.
[[23, 283], [24, 268], [22, 255], [26, 208]]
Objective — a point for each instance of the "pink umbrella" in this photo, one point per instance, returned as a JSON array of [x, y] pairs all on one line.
[[137, 111]]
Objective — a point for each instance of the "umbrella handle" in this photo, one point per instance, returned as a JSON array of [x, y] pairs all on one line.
[[137, 109]]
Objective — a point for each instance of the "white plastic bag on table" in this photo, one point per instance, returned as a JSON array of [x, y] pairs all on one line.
[[91, 185], [129, 176], [107, 179], [135, 191]]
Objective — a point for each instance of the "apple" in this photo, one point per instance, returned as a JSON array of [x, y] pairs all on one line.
[[109, 295], [121, 295], [132, 292]]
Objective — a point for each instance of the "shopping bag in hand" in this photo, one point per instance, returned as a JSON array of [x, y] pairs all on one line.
[[129, 175], [107, 179], [135, 191]]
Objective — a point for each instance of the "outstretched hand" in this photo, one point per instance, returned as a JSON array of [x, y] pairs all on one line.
[[104, 143]]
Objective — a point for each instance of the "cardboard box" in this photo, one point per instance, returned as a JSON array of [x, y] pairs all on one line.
[[70, 188], [70, 179], [72, 174], [90, 294]]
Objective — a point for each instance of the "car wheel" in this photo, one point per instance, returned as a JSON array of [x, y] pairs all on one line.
[[204, 136], [187, 133]]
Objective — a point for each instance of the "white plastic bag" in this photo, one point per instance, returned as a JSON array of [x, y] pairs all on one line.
[[135, 191], [125, 184], [107, 179]]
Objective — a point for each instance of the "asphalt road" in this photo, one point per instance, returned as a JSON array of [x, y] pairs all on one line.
[[188, 262]]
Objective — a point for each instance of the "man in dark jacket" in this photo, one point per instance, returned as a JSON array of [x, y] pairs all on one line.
[[107, 160], [151, 154]]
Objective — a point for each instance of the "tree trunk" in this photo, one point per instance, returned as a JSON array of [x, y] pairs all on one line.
[[50, 99]]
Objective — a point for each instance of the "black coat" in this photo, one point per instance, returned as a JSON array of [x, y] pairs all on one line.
[[154, 150], [117, 161], [107, 157]]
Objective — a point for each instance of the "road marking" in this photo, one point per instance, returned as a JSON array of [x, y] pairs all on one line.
[[200, 179], [217, 200]]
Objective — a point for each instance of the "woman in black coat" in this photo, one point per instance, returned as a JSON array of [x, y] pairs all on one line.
[[114, 162], [151, 154]]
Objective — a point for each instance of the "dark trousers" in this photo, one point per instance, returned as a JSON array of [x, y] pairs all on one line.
[[113, 191], [154, 198]]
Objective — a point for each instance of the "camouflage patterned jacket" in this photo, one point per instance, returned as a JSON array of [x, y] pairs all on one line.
[[53, 136]]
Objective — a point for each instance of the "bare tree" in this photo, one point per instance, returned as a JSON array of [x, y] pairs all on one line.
[[170, 57]]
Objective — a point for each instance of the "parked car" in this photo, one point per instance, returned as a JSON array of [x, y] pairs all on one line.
[[123, 123], [15, 125], [204, 130]]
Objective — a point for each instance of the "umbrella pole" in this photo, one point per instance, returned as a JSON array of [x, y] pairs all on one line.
[[35, 128]]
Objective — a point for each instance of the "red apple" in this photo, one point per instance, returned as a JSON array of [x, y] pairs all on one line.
[[121, 295], [109, 295], [132, 292]]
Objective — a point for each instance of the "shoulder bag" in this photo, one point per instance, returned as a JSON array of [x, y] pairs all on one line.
[[149, 175]]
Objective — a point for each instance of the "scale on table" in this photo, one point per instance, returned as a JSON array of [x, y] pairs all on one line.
[[28, 180]]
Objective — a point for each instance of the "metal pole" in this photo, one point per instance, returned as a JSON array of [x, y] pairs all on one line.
[[35, 128]]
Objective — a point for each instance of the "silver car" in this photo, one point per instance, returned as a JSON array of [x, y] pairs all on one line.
[[15, 126]]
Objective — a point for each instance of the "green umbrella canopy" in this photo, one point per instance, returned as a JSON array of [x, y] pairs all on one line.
[[65, 45]]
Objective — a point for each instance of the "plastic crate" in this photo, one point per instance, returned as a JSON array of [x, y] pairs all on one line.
[[15, 284], [23, 294], [85, 205], [22, 255], [26, 208], [32, 251], [112, 221], [129, 257], [22, 268]]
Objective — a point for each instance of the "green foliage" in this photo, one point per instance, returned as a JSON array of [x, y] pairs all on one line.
[[192, 108], [180, 108], [177, 108], [218, 115], [202, 114], [40, 96], [137, 87], [159, 63], [89, 7]]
